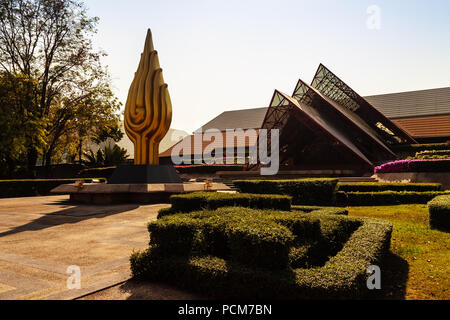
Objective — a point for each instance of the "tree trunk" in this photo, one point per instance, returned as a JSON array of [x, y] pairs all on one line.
[[80, 150], [32, 156], [48, 158]]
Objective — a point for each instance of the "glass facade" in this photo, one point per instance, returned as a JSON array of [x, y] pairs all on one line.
[[328, 125]]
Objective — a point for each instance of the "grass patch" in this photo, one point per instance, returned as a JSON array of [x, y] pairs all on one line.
[[426, 251]]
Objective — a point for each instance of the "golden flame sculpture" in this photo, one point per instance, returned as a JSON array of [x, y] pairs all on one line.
[[148, 111]]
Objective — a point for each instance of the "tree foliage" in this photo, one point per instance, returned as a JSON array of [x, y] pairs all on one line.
[[110, 154], [19, 123], [50, 42]]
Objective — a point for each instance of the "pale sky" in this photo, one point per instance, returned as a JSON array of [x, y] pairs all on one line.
[[229, 55]]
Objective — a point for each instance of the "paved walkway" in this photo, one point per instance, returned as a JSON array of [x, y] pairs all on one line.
[[41, 237]]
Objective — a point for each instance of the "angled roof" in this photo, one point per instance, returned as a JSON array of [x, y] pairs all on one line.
[[426, 127], [413, 104], [327, 83], [242, 119], [368, 140], [285, 107]]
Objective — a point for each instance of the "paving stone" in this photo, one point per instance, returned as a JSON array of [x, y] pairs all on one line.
[[42, 236]]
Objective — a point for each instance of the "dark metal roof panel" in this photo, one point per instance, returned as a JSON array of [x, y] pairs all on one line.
[[413, 104], [242, 119]]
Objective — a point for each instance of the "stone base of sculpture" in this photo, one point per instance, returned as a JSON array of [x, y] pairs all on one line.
[[144, 174], [104, 194]]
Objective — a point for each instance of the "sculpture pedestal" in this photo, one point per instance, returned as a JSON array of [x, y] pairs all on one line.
[[103, 194], [144, 174]]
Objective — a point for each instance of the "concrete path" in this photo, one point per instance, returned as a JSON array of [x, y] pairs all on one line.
[[41, 237]]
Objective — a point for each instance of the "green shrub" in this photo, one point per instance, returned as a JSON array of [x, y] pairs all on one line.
[[378, 186], [385, 198], [261, 243], [165, 212], [34, 187], [248, 236], [415, 148], [317, 192], [341, 276], [328, 210], [213, 200], [174, 237], [301, 256], [439, 209], [433, 154]]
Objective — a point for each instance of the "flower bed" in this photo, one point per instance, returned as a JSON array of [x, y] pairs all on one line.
[[415, 165]]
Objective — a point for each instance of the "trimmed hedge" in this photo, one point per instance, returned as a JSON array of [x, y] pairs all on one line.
[[378, 186], [35, 187], [439, 209], [385, 198], [414, 148], [213, 200], [254, 277], [266, 235], [433, 154], [316, 192], [327, 210]]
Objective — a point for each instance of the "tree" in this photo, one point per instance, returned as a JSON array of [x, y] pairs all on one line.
[[18, 122], [50, 41]]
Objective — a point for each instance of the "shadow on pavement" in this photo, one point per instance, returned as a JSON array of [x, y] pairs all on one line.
[[73, 213]]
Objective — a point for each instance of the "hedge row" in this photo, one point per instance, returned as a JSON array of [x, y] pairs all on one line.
[[433, 154], [414, 148], [35, 187], [243, 235], [255, 266], [318, 192], [439, 209], [314, 209], [385, 198], [378, 186], [213, 200]]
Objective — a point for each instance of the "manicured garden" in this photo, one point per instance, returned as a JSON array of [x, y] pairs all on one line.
[[238, 252], [289, 239]]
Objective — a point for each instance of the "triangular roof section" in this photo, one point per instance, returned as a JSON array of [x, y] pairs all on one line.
[[363, 135], [283, 107], [331, 86]]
